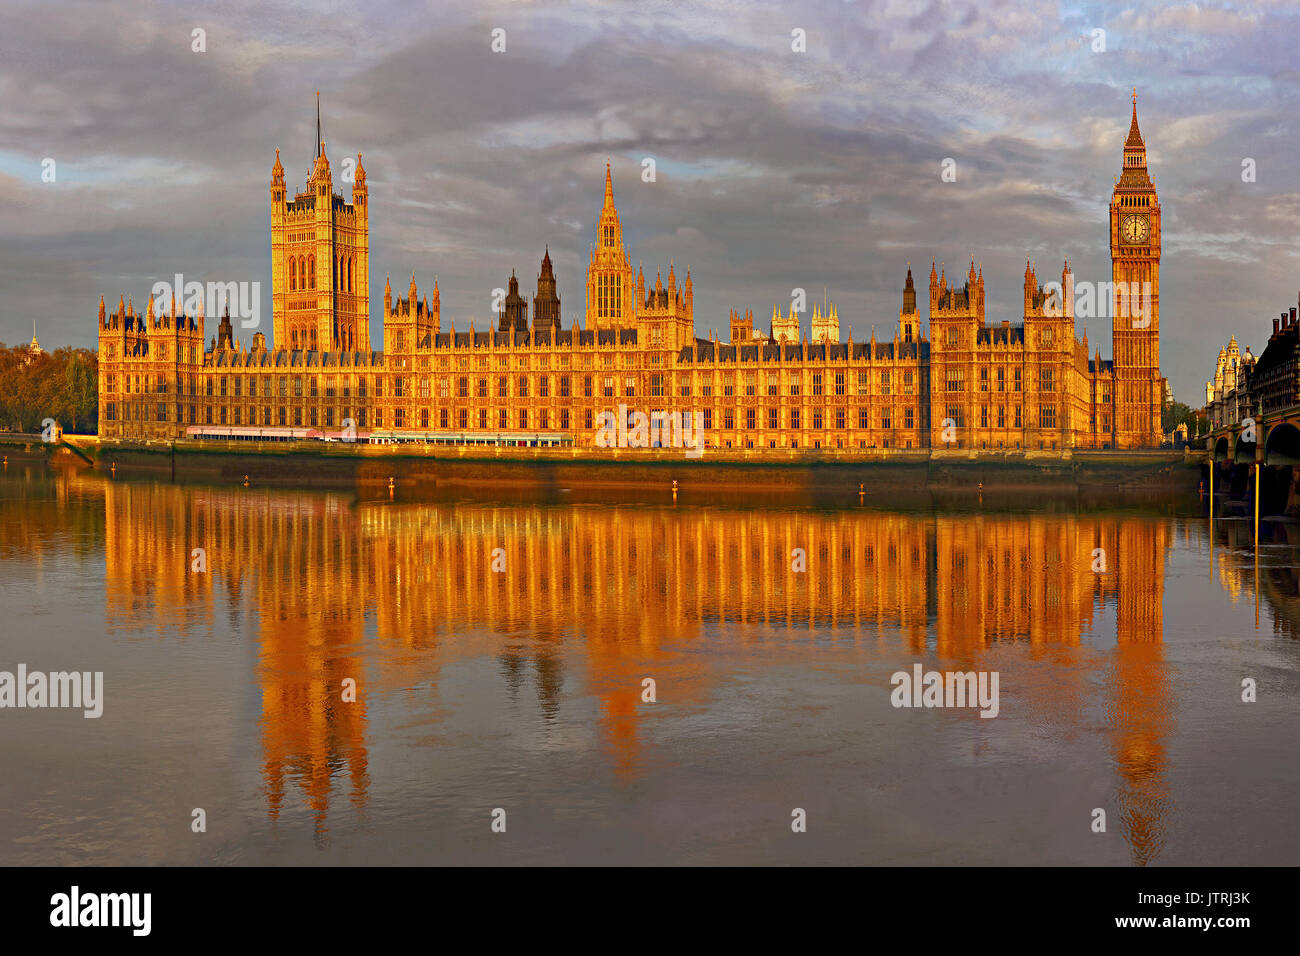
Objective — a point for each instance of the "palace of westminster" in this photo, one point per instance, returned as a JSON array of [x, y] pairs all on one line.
[[969, 383]]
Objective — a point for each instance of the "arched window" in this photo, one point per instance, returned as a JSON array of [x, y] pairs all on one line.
[[293, 275], [350, 273], [311, 272]]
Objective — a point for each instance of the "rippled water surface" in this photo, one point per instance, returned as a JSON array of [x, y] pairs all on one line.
[[522, 688]]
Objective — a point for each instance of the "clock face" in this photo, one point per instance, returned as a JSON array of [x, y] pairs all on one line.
[[1134, 229]]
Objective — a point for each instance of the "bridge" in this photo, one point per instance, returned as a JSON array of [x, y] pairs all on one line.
[[1256, 460]]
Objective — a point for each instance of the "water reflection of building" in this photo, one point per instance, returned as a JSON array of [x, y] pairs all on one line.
[[1139, 694], [1273, 582], [292, 558], [607, 596]]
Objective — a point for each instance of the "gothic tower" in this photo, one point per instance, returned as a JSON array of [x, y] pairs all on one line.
[[742, 327], [320, 260], [514, 315], [409, 324], [1135, 313], [785, 328], [825, 324], [956, 318], [610, 301], [546, 304]]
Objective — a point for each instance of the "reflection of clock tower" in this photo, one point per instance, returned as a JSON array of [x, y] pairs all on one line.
[[1135, 310]]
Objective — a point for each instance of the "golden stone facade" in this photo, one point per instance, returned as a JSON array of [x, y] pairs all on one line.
[[968, 385]]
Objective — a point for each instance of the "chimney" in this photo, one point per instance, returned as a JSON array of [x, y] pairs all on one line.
[[1275, 323]]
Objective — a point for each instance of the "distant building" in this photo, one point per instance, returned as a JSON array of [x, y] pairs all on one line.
[[785, 328], [1227, 397], [34, 349], [825, 325]]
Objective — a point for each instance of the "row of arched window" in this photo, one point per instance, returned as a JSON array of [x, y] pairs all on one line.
[[302, 273], [344, 340], [343, 270]]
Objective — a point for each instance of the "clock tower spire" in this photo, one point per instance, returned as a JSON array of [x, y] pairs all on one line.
[[1135, 301]]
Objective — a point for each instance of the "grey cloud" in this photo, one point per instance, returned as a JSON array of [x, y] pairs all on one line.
[[775, 170]]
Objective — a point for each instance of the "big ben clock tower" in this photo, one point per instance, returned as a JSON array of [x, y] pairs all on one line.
[[1135, 313]]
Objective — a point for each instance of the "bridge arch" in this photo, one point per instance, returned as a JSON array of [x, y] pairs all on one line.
[[1282, 447], [1220, 449], [1243, 452]]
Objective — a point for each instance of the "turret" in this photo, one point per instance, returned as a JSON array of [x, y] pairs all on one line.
[[277, 179], [359, 191], [909, 321], [321, 177], [1067, 293]]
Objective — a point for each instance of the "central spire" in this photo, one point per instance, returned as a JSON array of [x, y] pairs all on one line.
[[1134, 140]]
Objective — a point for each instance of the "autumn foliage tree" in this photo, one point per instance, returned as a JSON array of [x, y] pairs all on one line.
[[62, 385]]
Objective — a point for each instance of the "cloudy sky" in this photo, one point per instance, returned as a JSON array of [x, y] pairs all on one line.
[[776, 169]]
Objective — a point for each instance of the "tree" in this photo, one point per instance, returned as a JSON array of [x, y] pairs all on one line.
[[63, 385], [1172, 414]]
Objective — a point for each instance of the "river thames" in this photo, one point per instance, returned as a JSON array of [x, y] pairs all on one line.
[[499, 651]]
